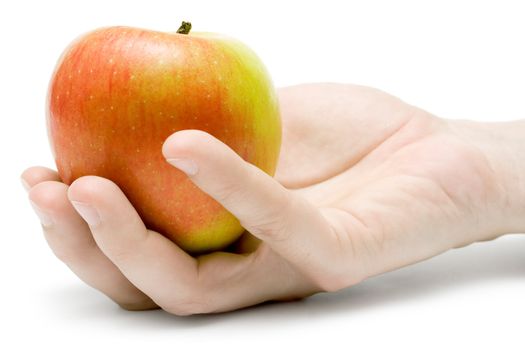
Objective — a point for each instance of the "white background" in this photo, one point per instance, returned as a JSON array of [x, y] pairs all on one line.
[[456, 59]]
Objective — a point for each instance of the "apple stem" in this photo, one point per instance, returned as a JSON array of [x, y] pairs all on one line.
[[184, 28]]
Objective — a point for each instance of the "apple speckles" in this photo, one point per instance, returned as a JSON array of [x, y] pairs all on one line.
[[91, 71], [133, 128], [215, 62], [114, 72], [90, 97], [161, 61], [132, 77], [102, 109], [138, 150], [112, 107], [111, 60], [79, 71], [57, 97], [69, 76]]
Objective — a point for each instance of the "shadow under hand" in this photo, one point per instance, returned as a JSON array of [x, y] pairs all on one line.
[[483, 262], [492, 261]]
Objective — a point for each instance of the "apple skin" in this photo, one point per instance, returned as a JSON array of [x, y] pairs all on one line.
[[117, 93]]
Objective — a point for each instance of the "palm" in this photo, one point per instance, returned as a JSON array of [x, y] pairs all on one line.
[[327, 128], [387, 164]]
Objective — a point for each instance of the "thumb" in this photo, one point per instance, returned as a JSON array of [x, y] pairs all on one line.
[[290, 225]]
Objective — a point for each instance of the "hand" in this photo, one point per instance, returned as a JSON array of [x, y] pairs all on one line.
[[365, 184]]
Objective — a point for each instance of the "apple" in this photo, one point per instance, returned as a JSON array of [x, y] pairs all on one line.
[[117, 93]]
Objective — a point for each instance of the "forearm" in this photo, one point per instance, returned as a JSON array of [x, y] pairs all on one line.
[[503, 144]]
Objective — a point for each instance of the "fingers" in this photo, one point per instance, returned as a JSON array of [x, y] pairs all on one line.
[[149, 260], [71, 241], [177, 282], [287, 223], [181, 285]]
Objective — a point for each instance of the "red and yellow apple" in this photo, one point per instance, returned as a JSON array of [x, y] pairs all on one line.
[[117, 93]]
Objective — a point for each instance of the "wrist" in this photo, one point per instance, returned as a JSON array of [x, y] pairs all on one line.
[[503, 147]]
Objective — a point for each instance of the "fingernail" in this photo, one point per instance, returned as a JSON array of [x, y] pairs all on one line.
[[88, 213], [25, 184], [45, 219], [186, 165]]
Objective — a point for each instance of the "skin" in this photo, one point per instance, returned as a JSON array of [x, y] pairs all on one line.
[[365, 184]]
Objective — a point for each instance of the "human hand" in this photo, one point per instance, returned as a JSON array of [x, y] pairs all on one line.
[[365, 184]]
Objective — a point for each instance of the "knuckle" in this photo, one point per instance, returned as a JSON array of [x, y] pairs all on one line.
[[233, 191], [64, 255], [230, 192], [273, 222], [238, 188], [123, 252], [273, 229], [66, 249], [119, 256]]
